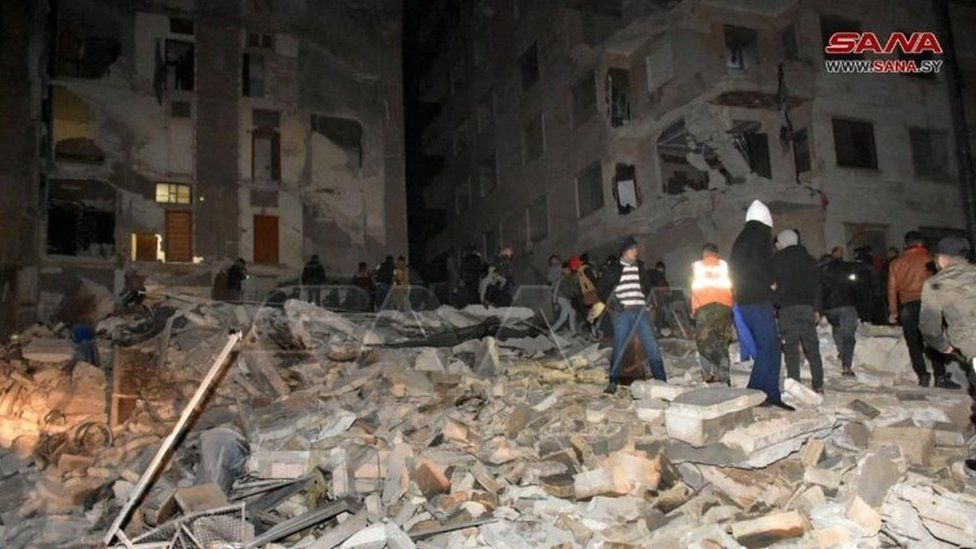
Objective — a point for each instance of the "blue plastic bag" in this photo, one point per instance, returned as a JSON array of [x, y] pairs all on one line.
[[747, 343]]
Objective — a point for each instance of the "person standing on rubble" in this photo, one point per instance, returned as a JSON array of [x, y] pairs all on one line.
[[363, 279], [473, 269], [838, 280], [566, 292], [798, 295], [313, 277], [754, 284], [236, 276], [711, 307], [555, 270], [906, 276], [625, 288], [384, 280], [947, 316], [401, 284], [501, 288]]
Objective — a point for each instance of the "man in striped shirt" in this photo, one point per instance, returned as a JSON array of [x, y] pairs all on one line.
[[625, 287]]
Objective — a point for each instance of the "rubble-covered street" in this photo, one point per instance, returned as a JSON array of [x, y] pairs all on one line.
[[338, 430]]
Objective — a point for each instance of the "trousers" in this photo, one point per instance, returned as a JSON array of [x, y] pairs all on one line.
[[798, 327], [635, 321], [908, 315], [760, 319], [843, 324], [566, 314], [713, 333]]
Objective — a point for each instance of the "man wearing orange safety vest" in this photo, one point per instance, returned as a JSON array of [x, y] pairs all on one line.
[[711, 307]]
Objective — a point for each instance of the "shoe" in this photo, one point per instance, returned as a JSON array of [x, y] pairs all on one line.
[[945, 382], [924, 379], [777, 403], [848, 372], [818, 390], [611, 388], [710, 378]]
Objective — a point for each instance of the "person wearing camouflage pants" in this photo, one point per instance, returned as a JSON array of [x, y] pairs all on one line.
[[711, 306]]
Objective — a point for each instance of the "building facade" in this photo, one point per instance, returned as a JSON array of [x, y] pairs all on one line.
[[565, 125], [173, 133]]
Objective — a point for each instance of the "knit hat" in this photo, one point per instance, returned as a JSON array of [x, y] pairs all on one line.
[[954, 246], [626, 244], [787, 238], [759, 212], [575, 263]]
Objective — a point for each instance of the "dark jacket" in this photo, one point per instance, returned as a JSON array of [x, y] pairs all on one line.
[[384, 274], [751, 264], [473, 269], [235, 276], [948, 313], [611, 277], [313, 274], [797, 278], [838, 284]]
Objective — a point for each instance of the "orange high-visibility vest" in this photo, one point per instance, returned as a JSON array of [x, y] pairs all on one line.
[[710, 283]]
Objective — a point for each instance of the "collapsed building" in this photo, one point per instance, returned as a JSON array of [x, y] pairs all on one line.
[[179, 133], [565, 125]]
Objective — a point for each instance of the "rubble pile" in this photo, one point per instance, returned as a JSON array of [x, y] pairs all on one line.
[[459, 428]]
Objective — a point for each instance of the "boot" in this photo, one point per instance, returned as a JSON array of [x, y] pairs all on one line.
[[777, 403], [611, 388], [847, 372], [945, 382], [924, 379]]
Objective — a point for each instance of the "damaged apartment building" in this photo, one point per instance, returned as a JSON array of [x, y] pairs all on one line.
[[174, 133], [564, 125]]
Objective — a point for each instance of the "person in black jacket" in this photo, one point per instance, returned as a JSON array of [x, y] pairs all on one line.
[[384, 281], [473, 269], [625, 287], [798, 295], [838, 279], [313, 277], [236, 276], [753, 284]]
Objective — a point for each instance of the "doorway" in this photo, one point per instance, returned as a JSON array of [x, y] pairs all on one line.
[[266, 239], [179, 236]]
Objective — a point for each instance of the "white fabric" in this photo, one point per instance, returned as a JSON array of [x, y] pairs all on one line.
[[710, 276], [759, 212], [787, 238]]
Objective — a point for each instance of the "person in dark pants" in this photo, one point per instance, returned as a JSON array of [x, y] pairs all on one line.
[[384, 281], [711, 307], [313, 277], [838, 279], [473, 269], [753, 279], [363, 279], [624, 288], [86, 347], [235, 279], [906, 276], [799, 299]]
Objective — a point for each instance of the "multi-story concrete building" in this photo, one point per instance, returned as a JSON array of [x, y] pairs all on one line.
[[566, 124], [180, 132]]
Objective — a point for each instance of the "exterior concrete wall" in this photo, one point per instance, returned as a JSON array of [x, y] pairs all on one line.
[[689, 81]]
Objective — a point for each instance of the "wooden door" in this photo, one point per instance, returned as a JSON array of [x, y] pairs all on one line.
[[145, 247], [266, 239], [179, 236]]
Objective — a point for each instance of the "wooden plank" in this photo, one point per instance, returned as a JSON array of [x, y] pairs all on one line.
[[167, 446]]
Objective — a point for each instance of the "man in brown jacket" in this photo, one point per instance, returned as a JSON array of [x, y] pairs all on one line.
[[906, 276]]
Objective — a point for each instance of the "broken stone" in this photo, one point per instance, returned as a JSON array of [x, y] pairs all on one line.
[[916, 443], [812, 452], [486, 360], [769, 529], [653, 389], [429, 360], [802, 393], [192, 499], [593, 483], [430, 478], [865, 516], [702, 416], [48, 350], [651, 410], [829, 480]]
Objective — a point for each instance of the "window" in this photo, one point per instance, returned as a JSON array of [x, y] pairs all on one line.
[[801, 152], [263, 198], [529, 66], [265, 154], [584, 100], [741, 50], [829, 25], [264, 118], [81, 218], [787, 38], [179, 65], [252, 75], [345, 132], [754, 146], [533, 139], [930, 152], [854, 144], [538, 214], [618, 92], [172, 193], [589, 189], [181, 109], [625, 190], [260, 40], [181, 25]]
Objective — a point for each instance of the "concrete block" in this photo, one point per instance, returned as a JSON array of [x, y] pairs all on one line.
[[48, 350], [825, 478], [802, 393], [812, 452], [430, 478], [865, 516], [593, 483], [769, 529], [651, 410], [654, 389], [916, 443], [703, 416]]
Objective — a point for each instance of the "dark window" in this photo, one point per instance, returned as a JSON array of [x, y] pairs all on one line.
[[345, 132], [854, 144], [801, 152], [179, 65], [263, 198], [584, 100], [930, 153], [262, 40], [81, 218], [264, 118], [787, 37], [618, 92], [589, 189], [625, 190], [252, 75], [265, 155], [529, 66], [539, 219], [181, 25], [754, 146], [533, 139], [181, 109], [741, 50], [830, 24]]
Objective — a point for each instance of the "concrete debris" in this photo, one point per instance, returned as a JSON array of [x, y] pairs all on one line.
[[439, 429]]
